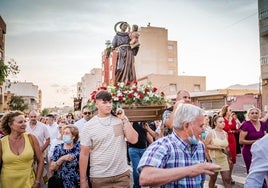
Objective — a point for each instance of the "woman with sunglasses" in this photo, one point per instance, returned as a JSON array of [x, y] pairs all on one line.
[[251, 130]]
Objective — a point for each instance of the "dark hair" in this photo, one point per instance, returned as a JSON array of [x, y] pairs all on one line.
[[120, 26], [7, 120], [103, 95], [84, 107], [70, 114], [135, 27], [50, 116], [215, 118]]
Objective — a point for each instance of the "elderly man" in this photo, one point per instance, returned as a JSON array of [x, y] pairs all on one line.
[[39, 130], [178, 160]]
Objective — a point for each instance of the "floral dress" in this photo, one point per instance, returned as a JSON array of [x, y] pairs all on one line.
[[68, 171]]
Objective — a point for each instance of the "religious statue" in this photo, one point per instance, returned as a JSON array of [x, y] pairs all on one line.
[[126, 44]]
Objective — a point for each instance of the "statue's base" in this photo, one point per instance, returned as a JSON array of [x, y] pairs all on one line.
[[144, 113]]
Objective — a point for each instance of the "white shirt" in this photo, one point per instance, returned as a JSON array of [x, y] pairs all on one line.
[[40, 131], [259, 164], [53, 130], [80, 124]]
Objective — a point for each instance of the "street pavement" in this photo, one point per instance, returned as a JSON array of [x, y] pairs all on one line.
[[239, 174]]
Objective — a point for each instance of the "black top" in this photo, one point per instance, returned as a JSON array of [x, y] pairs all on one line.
[[142, 139]]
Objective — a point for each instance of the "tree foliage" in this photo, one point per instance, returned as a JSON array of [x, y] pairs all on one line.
[[45, 112], [9, 69], [17, 103]]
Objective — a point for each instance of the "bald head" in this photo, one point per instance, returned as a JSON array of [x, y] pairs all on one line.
[[33, 117], [183, 96]]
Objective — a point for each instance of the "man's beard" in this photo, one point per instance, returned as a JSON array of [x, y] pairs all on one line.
[[33, 122]]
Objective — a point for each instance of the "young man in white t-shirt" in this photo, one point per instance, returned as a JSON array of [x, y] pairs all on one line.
[[103, 138]]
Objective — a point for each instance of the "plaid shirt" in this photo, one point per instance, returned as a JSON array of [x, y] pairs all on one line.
[[170, 152]]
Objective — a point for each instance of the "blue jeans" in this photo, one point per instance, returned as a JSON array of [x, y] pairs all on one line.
[[135, 155]]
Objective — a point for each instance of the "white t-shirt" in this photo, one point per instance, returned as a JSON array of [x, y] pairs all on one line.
[[40, 131], [80, 124], [53, 130], [106, 138]]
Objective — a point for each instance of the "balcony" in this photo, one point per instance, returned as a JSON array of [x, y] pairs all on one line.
[[263, 22], [264, 67]]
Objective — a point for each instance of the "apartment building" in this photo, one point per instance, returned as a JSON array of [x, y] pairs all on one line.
[[89, 82], [263, 33], [156, 62], [28, 91]]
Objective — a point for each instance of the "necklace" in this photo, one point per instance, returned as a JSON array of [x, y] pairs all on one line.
[[16, 145], [103, 121]]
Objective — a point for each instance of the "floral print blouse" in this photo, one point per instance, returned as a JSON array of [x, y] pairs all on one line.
[[68, 171]]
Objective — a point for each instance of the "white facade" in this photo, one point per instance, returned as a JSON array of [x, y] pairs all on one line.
[[89, 82], [27, 90]]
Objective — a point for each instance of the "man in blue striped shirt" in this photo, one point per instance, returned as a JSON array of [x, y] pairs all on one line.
[[178, 160]]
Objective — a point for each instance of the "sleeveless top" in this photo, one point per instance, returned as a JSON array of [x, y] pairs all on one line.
[[216, 141], [17, 170]]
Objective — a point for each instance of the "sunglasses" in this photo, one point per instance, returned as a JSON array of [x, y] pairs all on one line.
[[87, 113]]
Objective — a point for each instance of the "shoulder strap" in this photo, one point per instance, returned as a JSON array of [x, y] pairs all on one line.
[[31, 142]]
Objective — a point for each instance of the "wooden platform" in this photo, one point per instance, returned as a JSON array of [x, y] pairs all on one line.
[[144, 113]]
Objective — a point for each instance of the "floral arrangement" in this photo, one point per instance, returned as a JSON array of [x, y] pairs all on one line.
[[129, 94]]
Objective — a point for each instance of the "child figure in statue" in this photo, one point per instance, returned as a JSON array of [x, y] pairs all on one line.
[[134, 37]]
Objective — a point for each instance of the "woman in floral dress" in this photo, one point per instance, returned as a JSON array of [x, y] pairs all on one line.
[[66, 157]]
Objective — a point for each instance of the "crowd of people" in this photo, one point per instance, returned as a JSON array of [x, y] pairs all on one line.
[[100, 149]]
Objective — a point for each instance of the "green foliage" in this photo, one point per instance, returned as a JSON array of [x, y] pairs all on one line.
[[17, 103], [9, 69], [45, 112]]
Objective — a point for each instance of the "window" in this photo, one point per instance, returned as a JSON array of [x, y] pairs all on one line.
[[171, 60], [171, 72], [196, 87], [170, 47], [172, 87]]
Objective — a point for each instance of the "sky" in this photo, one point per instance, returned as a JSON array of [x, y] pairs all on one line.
[[56, 42]]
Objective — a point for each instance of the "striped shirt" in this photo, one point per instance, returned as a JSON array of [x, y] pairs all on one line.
[[106, 138], [170, 152]]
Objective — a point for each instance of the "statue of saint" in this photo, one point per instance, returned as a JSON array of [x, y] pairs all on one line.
[[125, 69]]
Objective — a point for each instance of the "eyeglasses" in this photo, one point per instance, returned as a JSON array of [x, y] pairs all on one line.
[[87, 113]]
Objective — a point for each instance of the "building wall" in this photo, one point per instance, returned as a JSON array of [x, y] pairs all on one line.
[[263, 28], [89, 82], [171, 84], [238, 99], [157, 55], [29, 92]]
